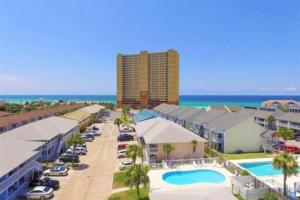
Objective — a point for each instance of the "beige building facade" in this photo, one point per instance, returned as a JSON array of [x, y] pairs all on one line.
[[181, 150], [148, 79]]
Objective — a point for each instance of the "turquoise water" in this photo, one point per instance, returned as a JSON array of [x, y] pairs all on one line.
[[193, 176], [185, 100], [261, 168]]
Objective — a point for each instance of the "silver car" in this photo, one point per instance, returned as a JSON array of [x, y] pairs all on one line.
[[40, 192], [56, 171]]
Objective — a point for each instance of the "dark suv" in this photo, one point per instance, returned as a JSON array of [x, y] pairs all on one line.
[[69, 157], [47, 182], [125, 137]]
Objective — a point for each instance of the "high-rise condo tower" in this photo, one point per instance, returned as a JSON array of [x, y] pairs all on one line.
[[148, 79]]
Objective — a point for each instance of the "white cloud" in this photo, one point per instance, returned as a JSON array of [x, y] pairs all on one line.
[[291, 88], [266, 89], [14, 84], [10, 78]]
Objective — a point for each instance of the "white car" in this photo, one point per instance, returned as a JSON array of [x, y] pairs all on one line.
[[80, 150], [125, 128], [40, 192], [122, 153], [125, 165], [56, 171]]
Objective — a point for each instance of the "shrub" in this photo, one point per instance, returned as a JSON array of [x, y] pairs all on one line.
[[270, 196], [245, 173], [114, 198]]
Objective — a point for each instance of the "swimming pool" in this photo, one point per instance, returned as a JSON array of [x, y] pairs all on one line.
[[193, 176], [261, 168]]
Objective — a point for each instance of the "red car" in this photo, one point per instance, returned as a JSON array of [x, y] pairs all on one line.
[[292, 149], [122, 146]]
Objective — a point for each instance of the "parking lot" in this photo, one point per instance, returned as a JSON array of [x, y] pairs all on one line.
[[94, 178]]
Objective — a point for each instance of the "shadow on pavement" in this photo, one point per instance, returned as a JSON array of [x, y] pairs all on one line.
[[82, 167]]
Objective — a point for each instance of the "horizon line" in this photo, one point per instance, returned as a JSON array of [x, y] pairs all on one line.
[[179, 95]]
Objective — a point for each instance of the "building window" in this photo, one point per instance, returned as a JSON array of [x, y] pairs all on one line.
[[153, 145], [14, 125], [2, 178], [22, 180], [12, 188], [13, 172]]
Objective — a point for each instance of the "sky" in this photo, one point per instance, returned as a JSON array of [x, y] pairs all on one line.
[[225, 47]]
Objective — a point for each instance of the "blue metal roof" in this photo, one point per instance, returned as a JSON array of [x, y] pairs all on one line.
[[144, 115]]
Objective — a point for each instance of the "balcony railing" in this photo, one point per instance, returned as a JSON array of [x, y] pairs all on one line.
[[8, 181], [293, 126], [259, 121], [15, 177], [288, 125], [216, 139], [153, 150], [206, 135]]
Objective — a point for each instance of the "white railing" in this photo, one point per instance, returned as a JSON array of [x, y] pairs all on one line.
[[8, 181], [15, 177], [31, 165], [293, 126], [216, 139], [165, 164]]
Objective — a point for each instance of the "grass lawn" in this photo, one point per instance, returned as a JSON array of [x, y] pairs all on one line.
[[235, 156], [129, 195], [239, 197], [119, 180]]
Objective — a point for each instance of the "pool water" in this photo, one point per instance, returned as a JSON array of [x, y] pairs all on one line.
[[193, 176], [261, 168]]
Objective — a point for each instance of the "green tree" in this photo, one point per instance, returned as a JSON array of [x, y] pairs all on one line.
[[271, 121], [124, 117], [118, 122], [288, 164], [74, 140], [102, 112], [137, 175], [93, 120], [285, 134], [168, 148], [134, 151], [126, 108], [194, 143], [270, 196]]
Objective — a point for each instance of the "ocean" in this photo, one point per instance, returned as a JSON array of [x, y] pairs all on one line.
[[185, 100]]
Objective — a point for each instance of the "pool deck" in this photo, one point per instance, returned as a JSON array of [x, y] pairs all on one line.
[[273, 181], [158, 184]]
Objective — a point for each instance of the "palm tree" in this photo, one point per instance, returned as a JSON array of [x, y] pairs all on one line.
[[168, 148], [285, 133], [118, 122], [137, 175], [271, 120], [194, 143], [102, 112], [134, 151], [288, 164], [74, 140]]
